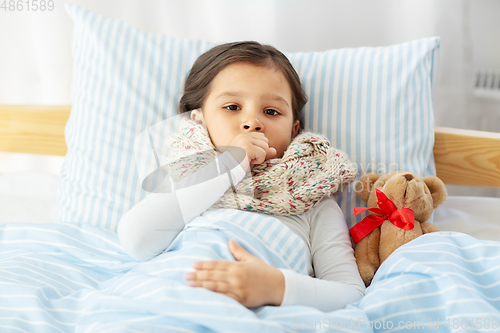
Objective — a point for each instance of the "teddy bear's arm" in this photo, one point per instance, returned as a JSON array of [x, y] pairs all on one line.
[[429, 227], [367, 257]]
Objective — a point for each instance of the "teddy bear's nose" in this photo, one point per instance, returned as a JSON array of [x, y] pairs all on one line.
[[408, 177]]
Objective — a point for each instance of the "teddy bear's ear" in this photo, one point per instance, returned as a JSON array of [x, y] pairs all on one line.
[[437, 188], [364, 186]]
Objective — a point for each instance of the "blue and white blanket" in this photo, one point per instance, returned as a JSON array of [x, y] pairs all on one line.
[[77, 278]]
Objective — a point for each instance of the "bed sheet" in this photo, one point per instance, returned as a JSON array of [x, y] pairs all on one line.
[[475, 216], [77, 278], [28, 196]]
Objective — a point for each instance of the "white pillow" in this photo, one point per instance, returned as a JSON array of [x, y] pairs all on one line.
[[373, 103]]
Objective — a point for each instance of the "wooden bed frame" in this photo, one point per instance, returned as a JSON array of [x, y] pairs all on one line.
[[463, 157]]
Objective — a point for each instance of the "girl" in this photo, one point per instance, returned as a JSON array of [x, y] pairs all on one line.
[[250, 98]]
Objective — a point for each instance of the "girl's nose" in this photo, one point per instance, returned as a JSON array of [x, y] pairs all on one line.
[[252, 124]]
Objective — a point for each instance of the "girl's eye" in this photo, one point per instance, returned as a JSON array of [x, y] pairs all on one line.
[[232, 107], [273, 112]]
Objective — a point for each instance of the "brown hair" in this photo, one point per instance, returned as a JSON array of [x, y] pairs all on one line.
[[210, 63]]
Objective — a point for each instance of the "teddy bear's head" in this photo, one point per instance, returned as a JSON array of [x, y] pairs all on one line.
[[405, 190]]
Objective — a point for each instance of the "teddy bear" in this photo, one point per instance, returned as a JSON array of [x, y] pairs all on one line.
[[403, 203]]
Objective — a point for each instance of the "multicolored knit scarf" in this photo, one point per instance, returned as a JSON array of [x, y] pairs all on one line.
[[309, 170]]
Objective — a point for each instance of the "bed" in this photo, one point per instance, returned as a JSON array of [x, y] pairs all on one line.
[[30, 208], [62, 268]]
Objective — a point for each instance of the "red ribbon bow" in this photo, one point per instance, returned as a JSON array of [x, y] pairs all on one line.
[[403, 218]]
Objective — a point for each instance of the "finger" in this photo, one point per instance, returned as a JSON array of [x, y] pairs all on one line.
[[257, 155], [239, 253], [260, 140], [221, 265], [258, 136], [271, 153], [210, 275], [232, 295], [259, 143], [218, 286]]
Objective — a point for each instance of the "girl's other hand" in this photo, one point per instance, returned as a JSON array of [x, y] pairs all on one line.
[[256, 146], [248, 280]]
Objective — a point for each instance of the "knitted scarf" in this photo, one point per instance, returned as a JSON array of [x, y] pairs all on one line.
[[309, 170]]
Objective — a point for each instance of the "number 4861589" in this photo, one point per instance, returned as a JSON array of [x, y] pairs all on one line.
[[27, 5]]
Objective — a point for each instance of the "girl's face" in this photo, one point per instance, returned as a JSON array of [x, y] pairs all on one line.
[[244, 97]]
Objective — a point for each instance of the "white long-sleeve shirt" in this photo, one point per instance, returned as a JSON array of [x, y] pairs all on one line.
[[333, 280]]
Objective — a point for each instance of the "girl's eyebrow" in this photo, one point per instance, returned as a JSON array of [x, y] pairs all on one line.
[[228, 93], [272, 96], [277, 98]]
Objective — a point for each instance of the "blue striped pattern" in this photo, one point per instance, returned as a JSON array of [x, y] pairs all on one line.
[[373, 103], [124, 80], [77, 278], [439, 276]]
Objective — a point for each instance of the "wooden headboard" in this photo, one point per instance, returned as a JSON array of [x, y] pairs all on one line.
[[463, 157]]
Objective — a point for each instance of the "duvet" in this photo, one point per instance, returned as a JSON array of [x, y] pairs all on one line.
[[77, 278]]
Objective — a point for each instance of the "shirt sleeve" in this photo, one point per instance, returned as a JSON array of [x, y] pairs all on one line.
[[150, 226], [337, 281], [196, 197]]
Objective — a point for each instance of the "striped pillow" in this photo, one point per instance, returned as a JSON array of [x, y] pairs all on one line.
[[373, 103], [124, 80]]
